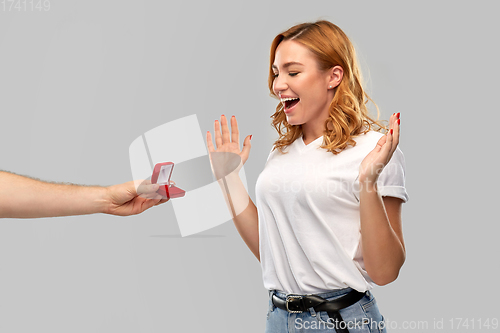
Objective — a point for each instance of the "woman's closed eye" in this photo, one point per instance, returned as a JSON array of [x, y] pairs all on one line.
[[291, 74]]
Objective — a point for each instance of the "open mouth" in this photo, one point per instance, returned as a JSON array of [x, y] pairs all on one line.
[[289, 103]]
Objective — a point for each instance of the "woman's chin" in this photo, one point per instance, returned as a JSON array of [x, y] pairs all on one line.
[[292, 121]]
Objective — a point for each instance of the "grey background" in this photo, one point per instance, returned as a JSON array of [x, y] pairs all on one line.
[[80, 82]]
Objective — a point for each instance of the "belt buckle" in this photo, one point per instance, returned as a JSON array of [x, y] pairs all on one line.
[[290, 297]]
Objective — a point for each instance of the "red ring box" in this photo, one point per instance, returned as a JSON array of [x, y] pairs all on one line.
[[161, 175]]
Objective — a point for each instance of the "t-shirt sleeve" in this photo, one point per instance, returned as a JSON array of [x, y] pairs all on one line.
[[391, 181], [271, 154]]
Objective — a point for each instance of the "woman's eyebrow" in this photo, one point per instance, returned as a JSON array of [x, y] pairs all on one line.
[[288, 64]]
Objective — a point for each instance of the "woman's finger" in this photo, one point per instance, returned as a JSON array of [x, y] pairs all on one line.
[[387, 148], [235, 134], [392, 119], [395, 142], [225, 130], [245, 152], [210, 145], [218, 136], [390, 139]]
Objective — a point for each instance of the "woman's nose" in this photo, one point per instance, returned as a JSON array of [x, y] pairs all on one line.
[[279, 85]]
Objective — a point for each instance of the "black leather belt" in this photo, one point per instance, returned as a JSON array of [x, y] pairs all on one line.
[[302, 303]]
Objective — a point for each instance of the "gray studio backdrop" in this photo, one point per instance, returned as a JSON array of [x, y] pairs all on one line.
[[81, 80]]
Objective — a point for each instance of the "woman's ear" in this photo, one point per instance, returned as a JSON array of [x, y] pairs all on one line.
[[335, 76]]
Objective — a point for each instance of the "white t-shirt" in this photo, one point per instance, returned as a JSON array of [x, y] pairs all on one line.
[[309, 220]]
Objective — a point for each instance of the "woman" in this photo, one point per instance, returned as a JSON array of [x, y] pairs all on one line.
[[326, 226]]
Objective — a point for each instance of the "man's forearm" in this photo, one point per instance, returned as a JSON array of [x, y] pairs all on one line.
[[22, 197]]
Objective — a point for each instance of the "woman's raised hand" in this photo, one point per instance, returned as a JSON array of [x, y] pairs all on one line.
[[229, 143], [377, 159]]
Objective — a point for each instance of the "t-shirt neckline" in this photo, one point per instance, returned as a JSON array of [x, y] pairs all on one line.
[[312, 143]]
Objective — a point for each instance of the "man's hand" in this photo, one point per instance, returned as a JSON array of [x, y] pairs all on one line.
[[124, 199], [24, 197]]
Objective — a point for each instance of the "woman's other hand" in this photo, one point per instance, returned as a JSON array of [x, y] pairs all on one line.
[[377, 159]]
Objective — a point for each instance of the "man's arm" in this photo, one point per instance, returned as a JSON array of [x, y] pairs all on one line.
[[23, 197]]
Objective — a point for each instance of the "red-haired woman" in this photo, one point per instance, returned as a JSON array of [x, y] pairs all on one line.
[[326, 225]]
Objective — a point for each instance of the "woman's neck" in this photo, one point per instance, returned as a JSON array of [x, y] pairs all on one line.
[[311, 132]]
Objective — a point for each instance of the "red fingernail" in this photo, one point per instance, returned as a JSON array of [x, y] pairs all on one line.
[[250, 137], [390, 131], [399, 121], [398, 114]]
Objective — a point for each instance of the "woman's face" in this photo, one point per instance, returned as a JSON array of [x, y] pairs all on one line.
[[301, 86]]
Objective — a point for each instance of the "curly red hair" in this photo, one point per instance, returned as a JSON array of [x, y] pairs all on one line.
[[349, 116]]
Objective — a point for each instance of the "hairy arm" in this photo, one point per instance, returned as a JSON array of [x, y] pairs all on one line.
[[24, 197]]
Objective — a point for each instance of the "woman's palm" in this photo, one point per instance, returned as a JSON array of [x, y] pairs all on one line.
[[228, 156]]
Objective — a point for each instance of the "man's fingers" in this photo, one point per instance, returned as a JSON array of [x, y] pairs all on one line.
[[150, 191], [150, 203], [146, 190], [162, 201]]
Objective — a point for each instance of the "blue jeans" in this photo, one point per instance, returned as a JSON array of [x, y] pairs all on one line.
[[361, 317]]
